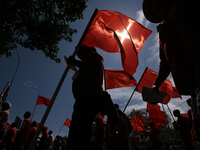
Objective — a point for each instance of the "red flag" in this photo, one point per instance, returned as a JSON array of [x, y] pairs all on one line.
[[133, 123], [118, 78], [67, 122], [148, 80], [175, 93], [114, 32], [137, 123], [153, 108], [42, 100], [140, 123], [185, 115], [155, 115], [100, 116]]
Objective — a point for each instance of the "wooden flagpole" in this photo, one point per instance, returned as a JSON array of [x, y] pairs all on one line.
[[59, 85], [134, 90]]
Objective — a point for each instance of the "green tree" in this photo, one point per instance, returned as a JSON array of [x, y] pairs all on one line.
[[38, 24]]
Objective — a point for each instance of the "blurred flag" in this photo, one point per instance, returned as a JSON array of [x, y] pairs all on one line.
[[140, 123], [155, 115], [148, 79], [67, 122], [118, 78], [100, 116], [116, 33], [43, 100]]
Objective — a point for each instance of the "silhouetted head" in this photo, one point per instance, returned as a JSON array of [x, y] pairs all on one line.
[[84, 51], [176, 113], [34, 124], [27, 114], [50, 132], [156, 10], [152, 124], [6, 105]]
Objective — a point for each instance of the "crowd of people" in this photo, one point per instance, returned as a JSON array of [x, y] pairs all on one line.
[[13, 139], [179, 54]]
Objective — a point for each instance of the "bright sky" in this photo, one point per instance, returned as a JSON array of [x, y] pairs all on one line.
[[38, 75]]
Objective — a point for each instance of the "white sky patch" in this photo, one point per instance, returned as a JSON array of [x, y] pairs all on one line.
[[154, 50], [122, 94], [141, 18], [136, 107], [29, 84]]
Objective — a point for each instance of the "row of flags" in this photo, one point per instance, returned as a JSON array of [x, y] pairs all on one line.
[[114, 32]]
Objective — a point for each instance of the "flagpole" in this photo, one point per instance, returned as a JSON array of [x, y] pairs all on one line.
[[60, 129], [134, 91], [170, 112], [33, 111], [60, 84]]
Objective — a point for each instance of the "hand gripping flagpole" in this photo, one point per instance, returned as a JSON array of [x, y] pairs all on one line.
[[60, 84]]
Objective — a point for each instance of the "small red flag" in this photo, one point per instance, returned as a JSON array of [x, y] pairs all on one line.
[[115, 32], [67, 122], [100, 116], [42, 100], [148, 80], [118, 78]]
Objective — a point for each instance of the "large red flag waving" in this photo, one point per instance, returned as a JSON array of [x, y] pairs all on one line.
[[43, 100], [148, 79], [114, 32], [67, 122], [118, 78]]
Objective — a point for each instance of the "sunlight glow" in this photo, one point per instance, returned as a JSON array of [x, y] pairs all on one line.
[[124, 34]]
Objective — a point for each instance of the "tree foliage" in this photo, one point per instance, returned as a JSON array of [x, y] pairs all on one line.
[[38, 24]]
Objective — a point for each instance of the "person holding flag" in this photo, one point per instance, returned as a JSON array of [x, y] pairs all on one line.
[[88, 93], [179, 44]]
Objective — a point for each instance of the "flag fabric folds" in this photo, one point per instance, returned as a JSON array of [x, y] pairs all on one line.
[[148, 79], [155, 115], [114, 32], [138, 123], [67, 122], [118, 78], [43, 100]]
